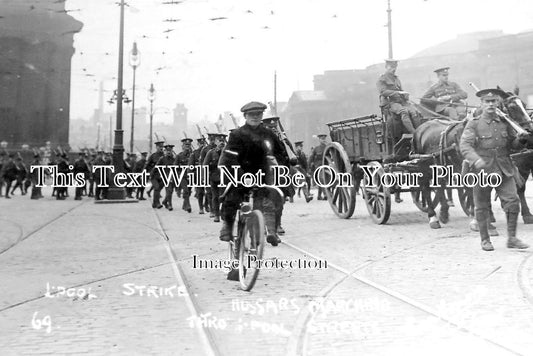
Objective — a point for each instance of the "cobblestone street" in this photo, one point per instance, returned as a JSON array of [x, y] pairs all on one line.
[[85, 278]]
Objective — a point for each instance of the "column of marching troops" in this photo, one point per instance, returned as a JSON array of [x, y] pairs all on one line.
[[15, 173]]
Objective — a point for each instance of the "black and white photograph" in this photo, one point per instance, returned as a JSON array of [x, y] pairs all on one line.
[[266, 177]]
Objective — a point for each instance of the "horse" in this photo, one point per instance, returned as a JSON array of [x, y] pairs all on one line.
[[523, 160], [439, 138]]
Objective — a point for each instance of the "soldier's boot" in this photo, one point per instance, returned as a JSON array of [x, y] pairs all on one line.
[[186, 204], [157, 196], [201, 204], [492, 230], [34, 193], [397, 198], [226, 232], [407, 123], [486, 245], [512, 241], [270, 223], [526, 215], [492, 218]]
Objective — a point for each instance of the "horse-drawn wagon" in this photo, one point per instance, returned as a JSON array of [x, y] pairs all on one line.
[[365, 148]]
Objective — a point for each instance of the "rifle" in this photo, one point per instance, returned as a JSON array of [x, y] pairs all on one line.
[[200, 131], [519, 130], [286, 140], [234, 120]]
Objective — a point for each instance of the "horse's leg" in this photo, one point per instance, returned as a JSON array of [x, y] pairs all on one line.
[[444, 214], [474, 226], [426, 197], [526, 214]]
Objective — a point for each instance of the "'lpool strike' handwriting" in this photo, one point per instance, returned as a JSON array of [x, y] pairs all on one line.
[[55, 292], [154, 291]]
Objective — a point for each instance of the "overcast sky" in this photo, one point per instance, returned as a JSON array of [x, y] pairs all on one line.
[[218, 65]]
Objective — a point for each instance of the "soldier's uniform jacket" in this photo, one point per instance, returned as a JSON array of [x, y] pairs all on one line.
[[139, 165], [315, 159], [152, 161], [302, 160], [10, 171], [204, 151], [80, 166], [63, 167], [182, 159], [211, 160], [247, 147], [194, 158], [388, 86], [488, 137], [162, 162], [440, 89]]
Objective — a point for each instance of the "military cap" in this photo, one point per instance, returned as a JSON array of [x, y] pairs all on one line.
[[144, 153], [159, 143], [100, 152], [391, 61], [299, 143], [186, 140], [253, 106], [201, 139], [212, 134], [36, 155], [442, 70], [168, 147], [321, 135], [93, 154], [221, 135], [133, 155], [490, 94], [270, 120]]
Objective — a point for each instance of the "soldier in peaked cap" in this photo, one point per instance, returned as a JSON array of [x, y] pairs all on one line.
[[182, 159], [208, 197], [446, 93], [396, 100], [252, 147], [194, 160], [139, 168], [485, 144], [162, 164], [150, 164], [302, 166], [315, 161], [211, 161]]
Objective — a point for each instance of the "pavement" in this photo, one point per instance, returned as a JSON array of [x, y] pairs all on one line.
[[101, 279]]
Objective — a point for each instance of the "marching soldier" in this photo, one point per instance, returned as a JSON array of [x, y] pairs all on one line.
[[3, 161], [62, 167], [396, 100], [194, 160], [302, 166], [210, 145], [165, 161], [150, 164], [91, 174], [211, 160], [80, 166], [98, 161], [446, 93], [485, 144], [182, 159], [315, 161], [10, 172], [35, 191], [139, 168]]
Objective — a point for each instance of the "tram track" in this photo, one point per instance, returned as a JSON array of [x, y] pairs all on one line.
[[298, 347], [23, 237]]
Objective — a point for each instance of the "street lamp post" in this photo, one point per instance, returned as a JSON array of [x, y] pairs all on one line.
[[135, 61], [118, 193], [389, 26], [151, 97]]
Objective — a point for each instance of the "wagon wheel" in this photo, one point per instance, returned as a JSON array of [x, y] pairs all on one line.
[[377, 198], [417, 199], [466, 198], [341, 199]]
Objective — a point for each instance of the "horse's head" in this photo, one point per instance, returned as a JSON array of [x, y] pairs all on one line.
[[517, 111]]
